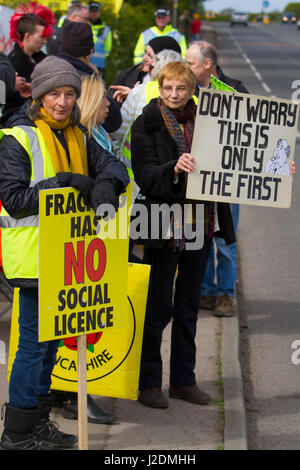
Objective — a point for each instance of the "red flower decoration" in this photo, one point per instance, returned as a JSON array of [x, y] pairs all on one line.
[[39, 10], [91, 339]]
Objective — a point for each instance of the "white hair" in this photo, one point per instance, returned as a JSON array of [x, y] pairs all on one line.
[[163, 58]]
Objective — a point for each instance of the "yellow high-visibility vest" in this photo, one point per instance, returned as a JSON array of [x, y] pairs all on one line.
[[20, 236]]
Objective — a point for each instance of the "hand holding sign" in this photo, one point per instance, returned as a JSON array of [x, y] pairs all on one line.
[[185, 163], [83, 183], [105, 201], [293, 168]]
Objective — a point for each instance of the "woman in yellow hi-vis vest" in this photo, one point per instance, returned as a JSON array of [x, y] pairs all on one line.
[[46, 148]]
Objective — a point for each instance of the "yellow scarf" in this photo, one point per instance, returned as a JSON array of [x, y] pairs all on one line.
[[75, 142]]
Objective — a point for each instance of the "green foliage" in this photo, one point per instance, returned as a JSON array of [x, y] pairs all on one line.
[[294, 7], [11, 3], [126, 29]]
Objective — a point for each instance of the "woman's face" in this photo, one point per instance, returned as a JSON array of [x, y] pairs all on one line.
[[175, 93], [103, 110], [59, 102], [148, 59]]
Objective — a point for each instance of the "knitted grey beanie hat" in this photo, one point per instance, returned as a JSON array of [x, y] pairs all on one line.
[[52, 73]]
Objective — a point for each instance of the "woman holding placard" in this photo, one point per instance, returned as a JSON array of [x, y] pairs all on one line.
[[45, 148], [161, 161]]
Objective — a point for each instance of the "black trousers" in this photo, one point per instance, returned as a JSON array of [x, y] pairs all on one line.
[[183, 308]]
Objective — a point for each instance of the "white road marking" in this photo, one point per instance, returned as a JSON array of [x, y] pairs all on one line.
[[251, 65], [267, 88]]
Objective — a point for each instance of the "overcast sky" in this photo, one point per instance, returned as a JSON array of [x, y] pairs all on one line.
[[251, 6]]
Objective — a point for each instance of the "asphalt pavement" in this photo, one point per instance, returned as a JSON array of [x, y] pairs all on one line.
[[266, 58]]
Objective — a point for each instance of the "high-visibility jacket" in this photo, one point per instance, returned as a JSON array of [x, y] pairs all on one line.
[[20, 236], [151, 91], [103, 44], [153, 32], [61, 21]]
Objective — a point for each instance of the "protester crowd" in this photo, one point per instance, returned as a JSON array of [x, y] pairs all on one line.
[[59, 118]]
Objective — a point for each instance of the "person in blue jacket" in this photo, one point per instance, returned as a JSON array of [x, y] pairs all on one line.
[[102, 37]]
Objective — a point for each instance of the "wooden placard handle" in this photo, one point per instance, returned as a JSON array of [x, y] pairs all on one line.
[[82, 394]]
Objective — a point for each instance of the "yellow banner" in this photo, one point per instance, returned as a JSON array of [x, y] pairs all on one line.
[[115, 4], [87, 287], [82, 273], [113, 355], [62, 5]]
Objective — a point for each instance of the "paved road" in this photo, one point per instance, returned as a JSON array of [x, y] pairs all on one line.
[[266, 59]]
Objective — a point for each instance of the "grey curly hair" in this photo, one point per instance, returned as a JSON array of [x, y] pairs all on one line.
[[163, 58]]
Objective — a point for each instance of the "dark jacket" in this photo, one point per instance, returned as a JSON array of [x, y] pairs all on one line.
[[53, 43], [79, 65], [12, 100], [236, 84], [130, 76], [22, 63], [24, 67], [114, 119], [154, 155], [21, 200], [7, 74]]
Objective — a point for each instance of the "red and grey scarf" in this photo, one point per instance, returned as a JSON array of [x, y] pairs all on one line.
[[173, 119]]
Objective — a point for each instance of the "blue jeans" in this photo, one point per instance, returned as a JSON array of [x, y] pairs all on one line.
[[34, 361], [226, 264]]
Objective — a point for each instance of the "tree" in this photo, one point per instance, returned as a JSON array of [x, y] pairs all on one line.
[[294, 7]]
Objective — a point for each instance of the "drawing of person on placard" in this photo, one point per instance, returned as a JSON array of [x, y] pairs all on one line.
[[278, 164]]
